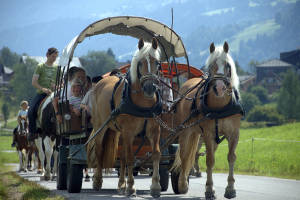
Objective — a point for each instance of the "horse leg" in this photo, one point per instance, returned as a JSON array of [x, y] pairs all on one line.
[[48, 152], [55, 153], [34, 159], [210, 162], [155, 187], [26, 159], [129, 156], [20, 160], [39, 145], [122, 182], [97, 178], [188, 148], [197, 166], [231, 157]]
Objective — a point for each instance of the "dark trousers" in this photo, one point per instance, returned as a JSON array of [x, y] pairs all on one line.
[[32, 112]]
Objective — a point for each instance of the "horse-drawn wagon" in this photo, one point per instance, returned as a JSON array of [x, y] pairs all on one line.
[[167, 79]]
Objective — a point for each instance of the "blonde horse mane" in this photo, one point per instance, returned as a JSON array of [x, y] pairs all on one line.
[[220, 54], [145, 51]]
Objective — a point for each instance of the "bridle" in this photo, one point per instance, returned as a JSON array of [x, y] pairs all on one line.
[[226, 78], [148, 76]]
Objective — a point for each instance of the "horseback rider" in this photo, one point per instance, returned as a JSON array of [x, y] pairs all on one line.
[[43, 80], [21, 115]]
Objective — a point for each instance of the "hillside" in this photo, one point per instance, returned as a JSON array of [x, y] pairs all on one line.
[[255, 29]]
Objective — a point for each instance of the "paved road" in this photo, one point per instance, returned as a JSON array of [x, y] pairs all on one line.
[[248, 188]]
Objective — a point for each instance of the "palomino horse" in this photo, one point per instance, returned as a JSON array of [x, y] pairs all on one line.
[[216, 102], [47, 136], [137, 100]]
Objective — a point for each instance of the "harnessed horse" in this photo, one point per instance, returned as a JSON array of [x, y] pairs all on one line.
[[135, 99], [215, 99]]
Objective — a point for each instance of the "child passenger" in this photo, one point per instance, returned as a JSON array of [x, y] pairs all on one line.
[[75, 99], [21, 115]]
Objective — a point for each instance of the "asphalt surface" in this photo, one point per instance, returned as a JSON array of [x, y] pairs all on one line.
[[247, 188]]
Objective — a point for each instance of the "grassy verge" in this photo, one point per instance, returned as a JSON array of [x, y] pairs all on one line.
[[13, 186], [272, 151]]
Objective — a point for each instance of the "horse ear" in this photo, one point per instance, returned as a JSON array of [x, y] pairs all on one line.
[[141, 43], [226, 47], [212, 47], [154, 43]]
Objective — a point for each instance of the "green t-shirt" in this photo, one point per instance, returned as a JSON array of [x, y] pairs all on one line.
[[47, 75]]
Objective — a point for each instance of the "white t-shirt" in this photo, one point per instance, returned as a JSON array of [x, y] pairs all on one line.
[[22, 113]]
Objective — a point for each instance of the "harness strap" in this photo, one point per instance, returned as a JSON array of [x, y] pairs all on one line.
[[217, 138], [112, 103]]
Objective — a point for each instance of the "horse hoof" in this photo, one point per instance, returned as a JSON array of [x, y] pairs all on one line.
[[45, 178], [131, 192], [53, 178], [121, 191], [230, 193], [210, 196], [97, 186], [198, 174], [39, 172], [155, 193]]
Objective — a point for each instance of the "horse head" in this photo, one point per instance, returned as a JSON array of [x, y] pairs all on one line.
[[222, 70], [145, 65], [23, 127]]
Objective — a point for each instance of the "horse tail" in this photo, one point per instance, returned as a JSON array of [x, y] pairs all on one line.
[[91, 155], [188, 148], [110, 148]]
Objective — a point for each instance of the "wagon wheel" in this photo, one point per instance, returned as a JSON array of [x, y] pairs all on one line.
[[61, 180], [174, 180], [164, 178], [75, 175]]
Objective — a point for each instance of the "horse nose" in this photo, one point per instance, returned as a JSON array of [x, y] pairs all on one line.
[[149, 89], [220, 87]]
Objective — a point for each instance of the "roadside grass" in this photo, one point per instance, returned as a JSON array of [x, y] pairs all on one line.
[[7, 157], [12, 124], [12, 186], [274, 151]]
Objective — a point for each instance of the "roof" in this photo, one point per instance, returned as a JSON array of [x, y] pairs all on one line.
[[246, 78], [41, 59], [137, 27], [5, 70], [289, 53], [275, 63]]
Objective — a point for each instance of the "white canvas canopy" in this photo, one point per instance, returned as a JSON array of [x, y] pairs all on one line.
[[137, 27]]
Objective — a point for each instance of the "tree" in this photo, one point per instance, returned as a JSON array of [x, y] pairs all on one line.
[[249, 101], [110, 53], [8, 58], [261, 93], [98, 63], [5, 112], [21, 82], [239, 69], [289, 96], [267, 113]]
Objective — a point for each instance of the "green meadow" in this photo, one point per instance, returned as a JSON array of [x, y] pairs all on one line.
[[272, 151]]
